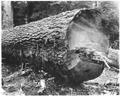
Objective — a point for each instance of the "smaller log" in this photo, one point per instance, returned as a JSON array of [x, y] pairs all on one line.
[[113, 55]]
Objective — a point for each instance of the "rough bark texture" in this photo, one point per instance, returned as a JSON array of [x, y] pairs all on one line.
[[114, 56], [42, 29], [40, 43]]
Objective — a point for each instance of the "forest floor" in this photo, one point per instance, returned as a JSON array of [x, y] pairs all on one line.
[[26, 82]]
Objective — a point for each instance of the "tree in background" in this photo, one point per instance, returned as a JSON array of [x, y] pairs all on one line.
[[7, 15], [20, 12], [27, 11]]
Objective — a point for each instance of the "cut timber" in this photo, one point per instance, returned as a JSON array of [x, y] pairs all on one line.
[[87, 35], [43, 29], [38, 42], [43, 43], [114, 56]]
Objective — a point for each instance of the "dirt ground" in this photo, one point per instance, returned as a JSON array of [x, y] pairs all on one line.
[[26, 82]]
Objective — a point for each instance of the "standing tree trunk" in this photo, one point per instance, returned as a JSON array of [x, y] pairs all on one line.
[[26, 15], [7, 15]]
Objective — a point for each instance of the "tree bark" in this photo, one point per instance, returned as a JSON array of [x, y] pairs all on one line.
[[42, 29], [114, 56], [45, 35], [38, 42], [41, 44]]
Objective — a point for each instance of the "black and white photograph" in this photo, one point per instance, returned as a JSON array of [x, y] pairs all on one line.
[[61, 48]]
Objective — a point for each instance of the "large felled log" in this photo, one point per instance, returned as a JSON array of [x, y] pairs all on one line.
[[43, 43], [43, 29], [38, 42]]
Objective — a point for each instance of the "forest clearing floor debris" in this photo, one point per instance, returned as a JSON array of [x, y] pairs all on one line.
[[26, 82]]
